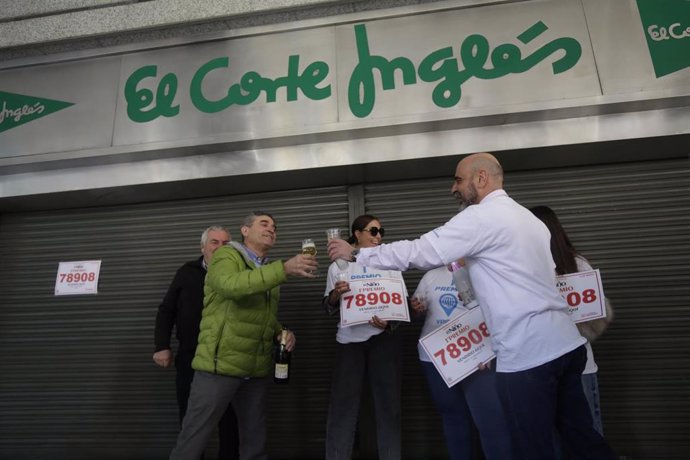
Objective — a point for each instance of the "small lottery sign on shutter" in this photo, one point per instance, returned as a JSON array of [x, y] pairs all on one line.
[[74, 278]]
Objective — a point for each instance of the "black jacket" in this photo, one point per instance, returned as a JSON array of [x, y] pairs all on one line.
[[182, 307]]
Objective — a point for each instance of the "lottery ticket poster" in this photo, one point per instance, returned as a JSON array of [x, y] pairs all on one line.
[[75, 278], [459, 346], [374, 293], [584, 294]]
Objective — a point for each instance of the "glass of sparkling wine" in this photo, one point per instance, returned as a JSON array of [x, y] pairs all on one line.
[[334, 234], [309, 248]]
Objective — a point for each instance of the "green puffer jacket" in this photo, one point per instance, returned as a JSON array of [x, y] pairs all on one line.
[[239, 321]]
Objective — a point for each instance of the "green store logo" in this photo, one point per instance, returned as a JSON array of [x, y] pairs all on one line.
[[441, 67], [667, 30], [17, 109]]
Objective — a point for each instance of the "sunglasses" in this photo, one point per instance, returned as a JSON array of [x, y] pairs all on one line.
[[375, 231]]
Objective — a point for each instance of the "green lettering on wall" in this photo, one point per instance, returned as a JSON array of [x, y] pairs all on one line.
[[17, 109], [475, 59], [361, 91], [252, 84], [442, 67], [666, 27], [139, 99]]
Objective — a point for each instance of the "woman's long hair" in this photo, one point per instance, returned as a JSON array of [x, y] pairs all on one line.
[[562, 249], [360, 223]]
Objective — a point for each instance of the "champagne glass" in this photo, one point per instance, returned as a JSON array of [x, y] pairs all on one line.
[[309, 248], [334, 234]]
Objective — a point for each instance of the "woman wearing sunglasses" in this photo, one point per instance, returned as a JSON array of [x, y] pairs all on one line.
[[371, 351]]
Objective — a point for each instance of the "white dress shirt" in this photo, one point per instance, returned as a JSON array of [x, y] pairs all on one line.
[[506, 249]]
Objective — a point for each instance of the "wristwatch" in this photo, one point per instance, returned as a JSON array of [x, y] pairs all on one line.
[[353, 255]]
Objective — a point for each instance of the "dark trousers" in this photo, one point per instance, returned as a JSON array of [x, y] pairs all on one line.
[[228, 438], [380, 358], [550, 396], [474, 399], [209, 398]]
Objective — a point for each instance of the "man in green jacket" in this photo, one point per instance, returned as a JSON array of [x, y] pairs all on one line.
[[238, 327]]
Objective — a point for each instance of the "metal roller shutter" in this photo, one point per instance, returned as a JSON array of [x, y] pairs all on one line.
[[77, 380], [407, 210], [631, 221]]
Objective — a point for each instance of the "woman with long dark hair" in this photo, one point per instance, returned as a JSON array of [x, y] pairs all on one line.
[[372, 350], [568, 260]]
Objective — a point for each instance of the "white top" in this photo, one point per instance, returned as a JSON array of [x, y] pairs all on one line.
[[441, 300], [591, 366], [358, 332], [506, 250]]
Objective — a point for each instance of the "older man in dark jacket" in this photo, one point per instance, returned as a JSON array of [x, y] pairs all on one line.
[[181, 307]]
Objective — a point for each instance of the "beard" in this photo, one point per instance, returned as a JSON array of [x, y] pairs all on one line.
[[467, 199]]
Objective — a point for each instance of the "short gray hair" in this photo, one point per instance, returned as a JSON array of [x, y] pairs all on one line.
[[212, 228], [252, 216]]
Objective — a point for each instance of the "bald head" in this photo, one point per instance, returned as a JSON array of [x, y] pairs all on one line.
[[485, 162], [476, 176]]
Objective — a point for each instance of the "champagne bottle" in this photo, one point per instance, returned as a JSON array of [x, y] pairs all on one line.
[[282, 359], [461, 280]]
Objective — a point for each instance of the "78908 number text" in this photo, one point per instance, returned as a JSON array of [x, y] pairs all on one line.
[[77, 277], [373, 298], [464, 343]]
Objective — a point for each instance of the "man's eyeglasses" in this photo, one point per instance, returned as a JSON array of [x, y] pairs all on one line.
[[375, 231]]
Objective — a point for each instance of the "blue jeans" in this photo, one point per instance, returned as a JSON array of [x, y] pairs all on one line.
[[550, 396], [473, 399], [590, 384], [380, 359]]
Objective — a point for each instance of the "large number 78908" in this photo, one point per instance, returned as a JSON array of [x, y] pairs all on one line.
[[464, 343], [77, 277], [373, 298]]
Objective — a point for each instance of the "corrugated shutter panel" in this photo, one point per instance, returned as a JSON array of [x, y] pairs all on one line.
[[76, 376], [407, 210], [632, 221]]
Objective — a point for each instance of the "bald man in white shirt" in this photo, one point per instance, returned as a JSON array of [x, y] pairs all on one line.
[[540, 353]]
